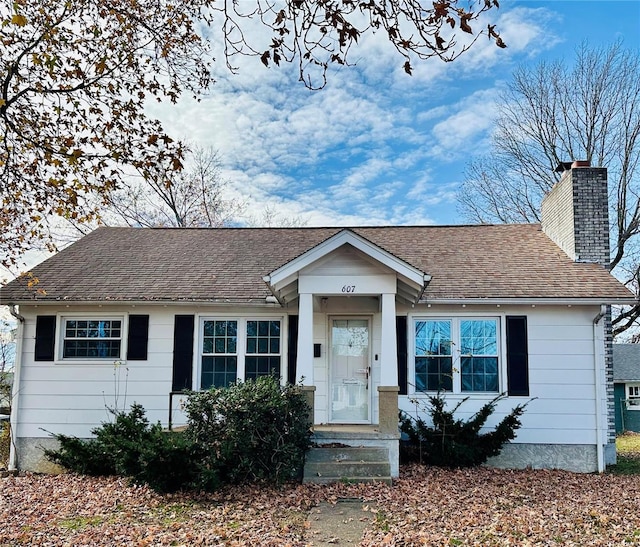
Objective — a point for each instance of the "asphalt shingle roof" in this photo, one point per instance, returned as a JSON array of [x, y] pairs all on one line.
[[626, 362], [169, 264]]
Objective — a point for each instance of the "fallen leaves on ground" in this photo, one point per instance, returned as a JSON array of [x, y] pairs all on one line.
[[426, 506]]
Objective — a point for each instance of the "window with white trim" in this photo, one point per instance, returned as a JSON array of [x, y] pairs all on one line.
[[457, 354], [633, 396], [233, 348], [91, 338]]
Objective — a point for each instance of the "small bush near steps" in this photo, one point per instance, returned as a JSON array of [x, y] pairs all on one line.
[[252, 431], [453, 442]]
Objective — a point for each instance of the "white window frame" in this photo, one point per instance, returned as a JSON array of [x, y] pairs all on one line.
[[632, 393], [456, 354], [241, 344], [61, 328]]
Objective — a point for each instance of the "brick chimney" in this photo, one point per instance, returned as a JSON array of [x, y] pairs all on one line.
[[575, 213]]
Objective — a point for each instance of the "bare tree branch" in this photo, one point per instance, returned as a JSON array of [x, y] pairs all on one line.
[[552, 113]]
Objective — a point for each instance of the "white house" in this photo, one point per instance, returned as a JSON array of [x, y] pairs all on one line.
[[368, 319]]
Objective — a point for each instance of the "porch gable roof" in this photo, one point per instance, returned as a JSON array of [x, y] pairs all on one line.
[[413, 280]]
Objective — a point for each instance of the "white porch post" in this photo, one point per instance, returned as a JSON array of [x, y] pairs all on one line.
[[388, 349], [305, 340]]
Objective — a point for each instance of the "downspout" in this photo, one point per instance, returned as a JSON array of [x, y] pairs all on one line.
[[15, 392], [598, 374]]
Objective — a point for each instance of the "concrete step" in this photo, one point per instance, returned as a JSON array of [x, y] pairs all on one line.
[[347, 464], [348, 453], [347, 480]]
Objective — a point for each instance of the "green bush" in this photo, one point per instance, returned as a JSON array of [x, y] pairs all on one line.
[[131, 447], [252, 431], [451, 442]]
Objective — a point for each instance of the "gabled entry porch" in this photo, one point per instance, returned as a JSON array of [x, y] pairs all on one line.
[[346, 291]]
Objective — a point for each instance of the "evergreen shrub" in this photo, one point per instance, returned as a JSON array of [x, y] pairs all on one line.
[[252, 431], [131, 447], [453, 442]]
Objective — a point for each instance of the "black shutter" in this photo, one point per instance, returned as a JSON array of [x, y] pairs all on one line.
[[138, 338], [182, 352], [517, 356], [292, 345], [401, 343], [45, 338]]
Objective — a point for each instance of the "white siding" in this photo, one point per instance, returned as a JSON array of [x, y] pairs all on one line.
[[561, 373], [72, 398]]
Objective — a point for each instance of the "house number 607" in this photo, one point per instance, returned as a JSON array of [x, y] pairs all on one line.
[[349, 288]]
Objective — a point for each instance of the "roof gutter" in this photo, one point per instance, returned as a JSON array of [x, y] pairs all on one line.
[[531, 301], [15, 392]]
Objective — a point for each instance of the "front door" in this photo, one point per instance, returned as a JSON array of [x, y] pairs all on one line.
[[350, 371]]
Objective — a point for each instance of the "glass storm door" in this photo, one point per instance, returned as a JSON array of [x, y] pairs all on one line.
[[350, 372]]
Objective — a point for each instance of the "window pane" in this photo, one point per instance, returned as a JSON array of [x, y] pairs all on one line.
[[218, 372], [479, 373], [433, 337], [263, 345], [261, 366], [220, 345], [478, 337], [207, 345], [434, 373], [220, 328]]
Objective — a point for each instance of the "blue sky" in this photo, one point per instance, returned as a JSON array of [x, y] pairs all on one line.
[[376, 146]]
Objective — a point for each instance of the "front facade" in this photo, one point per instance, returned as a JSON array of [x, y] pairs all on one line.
[[367, 320]]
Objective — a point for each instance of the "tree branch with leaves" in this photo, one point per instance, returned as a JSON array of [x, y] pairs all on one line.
[[75, 77]]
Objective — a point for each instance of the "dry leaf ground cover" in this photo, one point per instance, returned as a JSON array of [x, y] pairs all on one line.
[[426, 506]]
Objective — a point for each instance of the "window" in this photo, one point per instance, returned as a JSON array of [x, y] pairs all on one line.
[[238, 348], [219, 354], [92, 338], [263, 349], [633, 396], [459, 355]]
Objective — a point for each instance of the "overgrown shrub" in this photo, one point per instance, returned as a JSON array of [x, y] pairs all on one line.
[[252, 431], [131, 447], [452, 442]]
